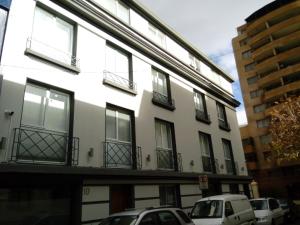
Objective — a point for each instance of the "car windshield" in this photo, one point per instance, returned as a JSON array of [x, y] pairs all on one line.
[[208, 209], [259, 204], [119, 220]]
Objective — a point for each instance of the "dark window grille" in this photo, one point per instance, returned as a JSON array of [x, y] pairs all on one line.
[[120, 155], [207, 166], [165, 159], [36, 146], [202, 116], [163, 99], [224, 125], [117, 80]]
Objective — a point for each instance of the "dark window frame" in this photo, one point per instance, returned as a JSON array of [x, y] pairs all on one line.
[[176, 191], [170, 104], [5, 27], [225, 126], [211, 151], [231, 155], [203, 116]]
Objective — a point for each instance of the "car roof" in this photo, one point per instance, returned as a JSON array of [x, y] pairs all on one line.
[[266, 198], [226, 197], [136, 212]]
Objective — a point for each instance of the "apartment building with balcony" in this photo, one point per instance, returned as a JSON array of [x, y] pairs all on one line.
[[267, 51], [103, 107]]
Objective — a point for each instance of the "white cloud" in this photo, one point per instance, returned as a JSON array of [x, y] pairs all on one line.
[[241, 117]]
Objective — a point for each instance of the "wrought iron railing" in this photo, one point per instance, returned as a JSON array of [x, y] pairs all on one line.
[[52, 52], [203, 116], [224, 125], [207, 165], [121, 155], [165, 159], [41, 146], [118, 80], [229, 166], [162, 99]]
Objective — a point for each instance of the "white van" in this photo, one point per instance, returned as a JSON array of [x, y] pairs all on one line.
[[226, 209]]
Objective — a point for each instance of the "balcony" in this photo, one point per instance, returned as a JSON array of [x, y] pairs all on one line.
[[224, 125], [202, 116], [119, 82], [166, 160], [51, 54], [121, 155], [163, 101], [44, 147]]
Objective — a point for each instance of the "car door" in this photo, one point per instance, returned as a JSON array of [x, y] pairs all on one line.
[[230, 217], [276, 211]]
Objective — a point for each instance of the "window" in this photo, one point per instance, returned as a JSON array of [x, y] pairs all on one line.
[[167, 218], [249, 67], [263, 123], [252, 80], [149, 219], [45, 124], [167, 194], [164, 146], [157, 36], [223, 124], [265, 139], [200, 105], [118, 144], [3, 17], [206, 152], [256, 93], [161, 90], [247, 54], [228, 155], [60, 44], [207, 209], [273, 204], [183, 216], [117, 8], [118, 68], [259, 108]]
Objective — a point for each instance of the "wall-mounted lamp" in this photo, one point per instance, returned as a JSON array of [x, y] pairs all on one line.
[[192, 162], [91, 152], [148, 158]]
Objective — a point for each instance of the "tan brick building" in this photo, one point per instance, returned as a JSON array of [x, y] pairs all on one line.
[[267, 53]]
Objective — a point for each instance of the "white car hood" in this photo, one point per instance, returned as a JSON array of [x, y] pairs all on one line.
[[261, 213], [211, 221]]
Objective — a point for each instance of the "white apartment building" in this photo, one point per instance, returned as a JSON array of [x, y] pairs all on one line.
[[103, 107]]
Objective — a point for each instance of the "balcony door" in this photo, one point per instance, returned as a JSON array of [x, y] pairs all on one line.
[[44, 131], [118, 143]]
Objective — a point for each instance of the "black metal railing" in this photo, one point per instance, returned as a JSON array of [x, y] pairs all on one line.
[[165, 159], [163, 100], [121, 155], [202, 116], [118, 81], [42, 146], [224, 125], [52, 52], [207, 165]]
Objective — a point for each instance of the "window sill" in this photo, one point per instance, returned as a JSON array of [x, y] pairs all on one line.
[[169, 106], [225, 128], [71, 68], [120, 87]]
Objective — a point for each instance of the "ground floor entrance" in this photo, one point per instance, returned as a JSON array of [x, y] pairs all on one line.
[[121, 198]]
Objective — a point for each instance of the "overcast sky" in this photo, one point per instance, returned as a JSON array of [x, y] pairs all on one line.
[[210, 26]]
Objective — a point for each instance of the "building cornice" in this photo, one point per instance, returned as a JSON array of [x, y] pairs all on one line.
[[132, 38]]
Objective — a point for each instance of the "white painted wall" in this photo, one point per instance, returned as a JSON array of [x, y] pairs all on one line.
[[91, 95]]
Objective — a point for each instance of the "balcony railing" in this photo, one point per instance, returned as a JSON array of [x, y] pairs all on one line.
[[118, 81], [51, 52], [207, 165], [224, 125], [202, 116], [165, 159], [163, 100], [40, 146], [121, 155]]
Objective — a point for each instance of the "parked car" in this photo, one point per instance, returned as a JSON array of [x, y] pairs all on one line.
[[289, 209], [267, 211], [223, 209], [149, 216]]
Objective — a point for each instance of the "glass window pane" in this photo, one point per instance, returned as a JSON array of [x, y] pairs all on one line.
[[124, 127], [110, 59], [221, 112], [57, 112], [34, 106], [123, 12], [199, 102], [122, 64], [64, 36], [3, 15], [158, 134], [111, 124]]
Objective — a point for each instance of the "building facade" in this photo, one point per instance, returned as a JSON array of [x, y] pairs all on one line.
[[103, 108], [267, 55]]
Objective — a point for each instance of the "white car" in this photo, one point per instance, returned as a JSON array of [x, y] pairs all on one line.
[[149, 216], [226, 209], [267, 211]]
